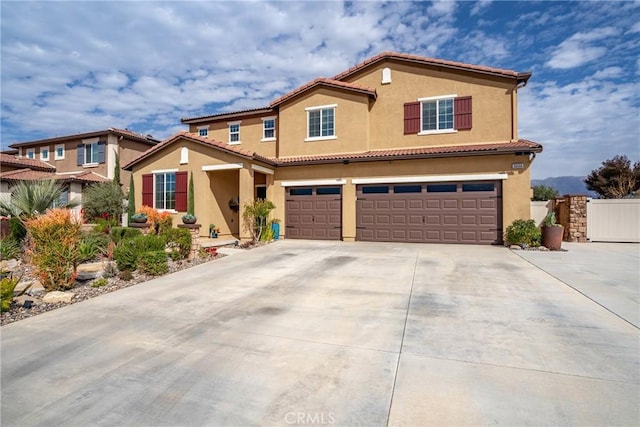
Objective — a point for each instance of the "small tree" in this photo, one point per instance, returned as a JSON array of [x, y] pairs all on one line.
[[131, 208], [116, 169], [615, 179], [542, 193], [255, 216], [103, 199], [191, 197]]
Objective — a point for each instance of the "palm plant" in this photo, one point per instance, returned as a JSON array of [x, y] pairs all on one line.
[[31, 198]]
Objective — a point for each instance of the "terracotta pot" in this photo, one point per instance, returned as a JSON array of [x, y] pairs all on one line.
[[552, 237]]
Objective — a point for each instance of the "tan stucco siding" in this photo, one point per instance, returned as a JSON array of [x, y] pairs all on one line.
[[515, 190], [69, 163], [351, 123], [213, 189], [128, 151], [491, 97], [251, 134]]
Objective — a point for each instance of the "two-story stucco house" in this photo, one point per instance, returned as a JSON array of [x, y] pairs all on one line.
[[75, 160], [397, 148]]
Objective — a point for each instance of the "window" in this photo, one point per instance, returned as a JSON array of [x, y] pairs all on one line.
[[234, 133], [165, 194], [442, 188], [301, 191], [437, 115], [63, 199], [59, 154], [327, 190], [321, 123], [203, 131], [398, 189], [268, 129], [378, 189], [31, 153], [91, 153], [44, 153], [478, 187]]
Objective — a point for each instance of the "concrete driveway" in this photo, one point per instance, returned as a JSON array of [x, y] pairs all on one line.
[[329, 333]]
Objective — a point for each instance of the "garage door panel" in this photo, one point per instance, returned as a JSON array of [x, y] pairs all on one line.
[[465, 212], [315, 215]]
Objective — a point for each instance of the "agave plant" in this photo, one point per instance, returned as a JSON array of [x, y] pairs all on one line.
[[31, 198]]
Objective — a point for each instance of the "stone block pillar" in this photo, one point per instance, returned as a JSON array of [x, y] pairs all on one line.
[[194, 229], [571, 212]]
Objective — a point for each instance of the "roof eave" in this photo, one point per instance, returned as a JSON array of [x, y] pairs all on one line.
[[222, 116]]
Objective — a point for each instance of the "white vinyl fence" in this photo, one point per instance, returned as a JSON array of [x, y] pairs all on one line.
[[613, 220], [539, 210]]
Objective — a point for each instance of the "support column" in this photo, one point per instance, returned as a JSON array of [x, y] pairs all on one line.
[[571, 212], [194, 230]]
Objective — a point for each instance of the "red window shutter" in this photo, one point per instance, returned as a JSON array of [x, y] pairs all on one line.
[[181, 191], [462, 112], [147, 190], [411, 117]]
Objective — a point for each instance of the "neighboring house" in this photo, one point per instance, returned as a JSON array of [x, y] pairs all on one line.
[[75, 160], [398, 148]]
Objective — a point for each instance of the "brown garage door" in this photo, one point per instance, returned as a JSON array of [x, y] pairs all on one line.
[[314, 213], [447, 212]]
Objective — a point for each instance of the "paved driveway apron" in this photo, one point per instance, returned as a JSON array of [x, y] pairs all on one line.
[[301, 332]]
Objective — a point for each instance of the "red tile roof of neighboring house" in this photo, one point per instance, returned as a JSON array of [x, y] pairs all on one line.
[[10, 160], [322, 81], [521, 145], [126, 133], [521, 77], [33, 175], [241, 113], [232, 149]]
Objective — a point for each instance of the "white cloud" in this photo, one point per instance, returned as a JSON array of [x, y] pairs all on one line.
[[577, 49], [479, 7], [608, 73]]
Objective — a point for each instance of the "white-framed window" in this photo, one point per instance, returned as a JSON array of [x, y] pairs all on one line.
[[59, 153], [44, 154], [321, 122], [436, 114], [91, 153], [234, 132], [203, 131], [165, 190], [31, 153], [269, 129], [63, 199]]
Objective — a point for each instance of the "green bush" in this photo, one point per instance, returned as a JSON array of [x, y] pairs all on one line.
[[153, 263], [123, 233], [10, 248], [103, 198], [179, 241], [7, 286], [128, 251], [523, 232], [92, 245], [98, 283], [18, 231]]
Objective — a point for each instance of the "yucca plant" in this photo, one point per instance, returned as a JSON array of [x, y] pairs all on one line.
[[32, 198]]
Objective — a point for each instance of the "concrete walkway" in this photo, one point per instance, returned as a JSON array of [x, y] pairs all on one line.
[[329, 333], [608, 273]]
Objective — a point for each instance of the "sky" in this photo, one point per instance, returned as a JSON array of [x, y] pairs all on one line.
[[72, 67]]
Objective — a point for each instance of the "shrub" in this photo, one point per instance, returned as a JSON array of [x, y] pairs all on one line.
[[255, 216], [103, 199], [7, 286], [550, 220], [153, 263], [54, 248], [523, 232], [92, 245], [123, 233], [179, 241], [10, 248], [98, 283], [126, 275], [159, 220], [128, 252], [17, 229]]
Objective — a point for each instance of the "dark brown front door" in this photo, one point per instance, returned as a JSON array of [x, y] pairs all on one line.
[[463, 212], [314, 213]]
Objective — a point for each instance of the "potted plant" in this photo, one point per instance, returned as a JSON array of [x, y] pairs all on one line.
[[213, 231], [234, 205], [139, 218], [190, 217], [552, 232]]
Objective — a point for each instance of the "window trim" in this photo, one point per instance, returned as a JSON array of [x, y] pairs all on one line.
[[30, 151], [90, 144], [155, 183], [453, 116], [201, 128], [321, 138], [42, 157], [272, 138], [55, 153], [229, 124]]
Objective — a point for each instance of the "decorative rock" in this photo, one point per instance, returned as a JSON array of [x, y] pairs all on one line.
[[543, 248], [515, 247], [57, 296], [89, 271], [9, 264]]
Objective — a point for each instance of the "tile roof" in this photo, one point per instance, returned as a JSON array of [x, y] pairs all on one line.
[[33, 175], [232, 149], [11, 160], [434, 61], [147, 139], [249, 112], [322, 81], [521, 145]]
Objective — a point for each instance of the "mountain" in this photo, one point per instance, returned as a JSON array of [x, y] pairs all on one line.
[[566, 185]]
